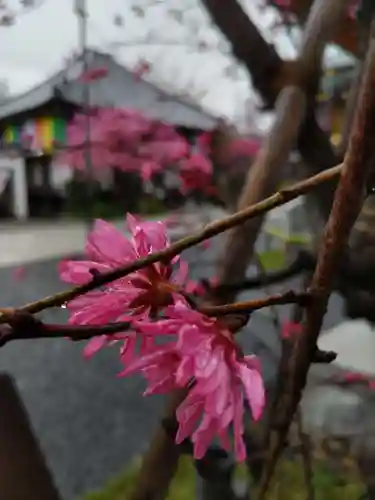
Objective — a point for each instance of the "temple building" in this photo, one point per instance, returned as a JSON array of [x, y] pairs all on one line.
[[33, 124]]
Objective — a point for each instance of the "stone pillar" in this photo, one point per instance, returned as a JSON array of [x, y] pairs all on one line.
[[20, 203], [20, 191]]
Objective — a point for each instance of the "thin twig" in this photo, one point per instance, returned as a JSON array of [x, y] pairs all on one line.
[[303, 263], [289, 297], [280, 198], [50, 331], [24, 326]]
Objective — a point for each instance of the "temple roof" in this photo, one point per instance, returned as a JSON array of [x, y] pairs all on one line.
[[120, 88]]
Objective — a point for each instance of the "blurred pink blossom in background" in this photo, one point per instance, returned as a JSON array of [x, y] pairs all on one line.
[[290, 330], [94, 74], [19, 273], [127, 140]]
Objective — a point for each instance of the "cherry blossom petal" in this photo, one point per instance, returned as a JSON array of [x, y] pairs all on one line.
[[254, 389], [79, 272], [94, 345], [107, 244]]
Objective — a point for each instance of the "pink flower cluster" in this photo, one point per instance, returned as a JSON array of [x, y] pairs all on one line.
[[198, 351], [127, 140], [291, 330], [124, 139]]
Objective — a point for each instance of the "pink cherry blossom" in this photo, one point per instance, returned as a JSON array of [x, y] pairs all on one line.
[[204, 142], [144, 292], [196, 173], [205, 352], [148, 169], [244, 147], [94, 74], [128, 140], [124, 139], [19, 273], [353, 377], [290, 330], [352, 9], [199, 288], [358, 378], [286, 4], [195, 288], [214, 281], [141, 69]]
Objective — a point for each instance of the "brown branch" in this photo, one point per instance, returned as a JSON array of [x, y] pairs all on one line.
[[270, 75], [31, 329], [357, 167], [24, 326], [249, 306], [303, 263], [279, 198], [264, 63], [350, 110], [159, 464], [263, 178], [265, 173]]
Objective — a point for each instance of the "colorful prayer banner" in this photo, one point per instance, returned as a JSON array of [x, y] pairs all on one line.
[[41, 134]]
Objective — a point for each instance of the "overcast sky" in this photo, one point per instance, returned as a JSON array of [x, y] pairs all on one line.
[[37, 44]]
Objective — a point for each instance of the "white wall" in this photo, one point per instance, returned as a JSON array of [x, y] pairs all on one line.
[[14, 167], [60, 175]]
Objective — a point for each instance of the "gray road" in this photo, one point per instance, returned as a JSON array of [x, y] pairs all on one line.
[[89, 422]]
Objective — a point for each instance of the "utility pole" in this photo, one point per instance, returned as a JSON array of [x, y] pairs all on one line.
[[80, 9]]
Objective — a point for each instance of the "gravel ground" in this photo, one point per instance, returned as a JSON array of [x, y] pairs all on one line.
[[90, 423]]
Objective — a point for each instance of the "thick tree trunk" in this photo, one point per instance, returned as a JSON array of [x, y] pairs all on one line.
[[263, 179], [265, 174], [269, 75]]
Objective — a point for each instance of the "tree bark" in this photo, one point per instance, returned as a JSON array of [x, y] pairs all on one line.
[[269, 75], [358, 168], [160, 463], [350, 110], [346, 35], [264, 174]]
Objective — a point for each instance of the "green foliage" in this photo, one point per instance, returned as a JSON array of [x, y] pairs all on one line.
[[104, 204], [289, 483], [92, 201], [272, 260], [150, 206], [119, 488]]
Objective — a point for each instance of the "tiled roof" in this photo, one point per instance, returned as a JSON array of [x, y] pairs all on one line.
[[119, 89]]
